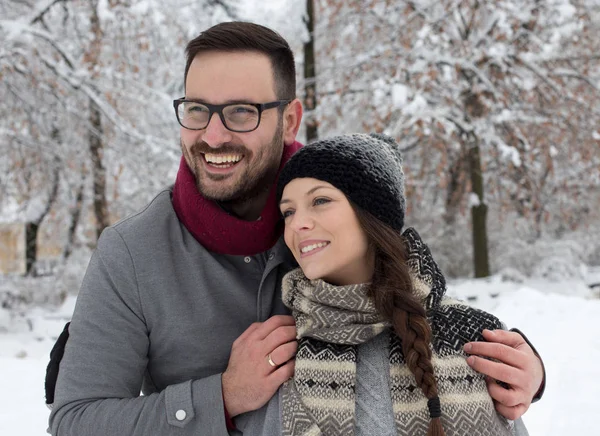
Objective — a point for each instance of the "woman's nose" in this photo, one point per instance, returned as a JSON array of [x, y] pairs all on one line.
[[302, 221]]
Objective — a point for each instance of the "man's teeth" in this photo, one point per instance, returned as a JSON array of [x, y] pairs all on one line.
[[314, 247], [222, 158]]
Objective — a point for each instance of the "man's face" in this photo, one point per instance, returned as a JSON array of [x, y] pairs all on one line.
[[231, 166]]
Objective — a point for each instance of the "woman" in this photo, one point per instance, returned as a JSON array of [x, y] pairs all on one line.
[[380, 345]]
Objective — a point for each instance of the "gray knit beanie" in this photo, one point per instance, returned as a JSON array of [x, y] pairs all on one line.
[[366, 168]]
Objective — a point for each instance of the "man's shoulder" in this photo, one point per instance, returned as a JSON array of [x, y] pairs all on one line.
[[152, 221], [160, 204]]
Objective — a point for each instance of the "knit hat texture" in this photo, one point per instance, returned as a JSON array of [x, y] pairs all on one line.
[[366, 168]]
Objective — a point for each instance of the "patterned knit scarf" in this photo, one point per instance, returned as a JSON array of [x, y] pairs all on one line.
[[332, 320]]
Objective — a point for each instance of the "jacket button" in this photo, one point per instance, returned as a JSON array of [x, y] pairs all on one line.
[[247, 259], [180, 415]]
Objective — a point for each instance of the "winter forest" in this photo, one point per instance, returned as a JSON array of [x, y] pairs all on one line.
[[494, 102]]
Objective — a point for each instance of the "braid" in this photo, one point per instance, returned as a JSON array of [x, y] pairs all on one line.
[[393, 295], [414, 330], [407, 314]]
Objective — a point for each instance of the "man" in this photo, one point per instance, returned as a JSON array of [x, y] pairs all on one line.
[[183, 299]]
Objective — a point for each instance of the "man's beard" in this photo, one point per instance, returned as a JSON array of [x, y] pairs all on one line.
[[257, 178]]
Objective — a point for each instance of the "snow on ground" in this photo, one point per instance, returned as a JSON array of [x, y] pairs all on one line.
[[564, 329], [23, 358]]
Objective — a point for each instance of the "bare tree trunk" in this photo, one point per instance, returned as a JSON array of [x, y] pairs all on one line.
[[475, 108], [96, 132], [478, 211], [457, 175], [75, 217], [98, 170], [310, 80], [32, 228], [31, 233]]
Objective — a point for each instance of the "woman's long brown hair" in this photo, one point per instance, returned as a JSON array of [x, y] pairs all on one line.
[[394, 297]]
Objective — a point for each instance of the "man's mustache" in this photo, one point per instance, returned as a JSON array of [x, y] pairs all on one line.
[[203, 148]]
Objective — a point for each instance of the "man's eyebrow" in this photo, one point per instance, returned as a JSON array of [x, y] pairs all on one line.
[[230, 101], [310, 191]]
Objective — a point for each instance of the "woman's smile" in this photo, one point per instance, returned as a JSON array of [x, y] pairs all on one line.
[[310, 247]]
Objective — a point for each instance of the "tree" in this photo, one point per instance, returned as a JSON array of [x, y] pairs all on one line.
[[100, 76], [310, 82], [467, 86]]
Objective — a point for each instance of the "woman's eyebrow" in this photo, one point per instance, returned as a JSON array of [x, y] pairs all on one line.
[[310, 191], [318, 187]]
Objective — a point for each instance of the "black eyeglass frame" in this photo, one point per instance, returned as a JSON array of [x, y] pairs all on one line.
[[218, 109]]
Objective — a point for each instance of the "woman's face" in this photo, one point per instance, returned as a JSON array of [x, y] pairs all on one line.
[[323, 233]]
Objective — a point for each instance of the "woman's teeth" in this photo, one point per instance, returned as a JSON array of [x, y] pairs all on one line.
[[312, 247]]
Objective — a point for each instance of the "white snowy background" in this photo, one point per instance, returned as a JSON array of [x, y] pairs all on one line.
[[519, 78], [560, 318]]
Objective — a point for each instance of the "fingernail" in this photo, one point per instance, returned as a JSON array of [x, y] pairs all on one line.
[[468, 348], [471, 360]]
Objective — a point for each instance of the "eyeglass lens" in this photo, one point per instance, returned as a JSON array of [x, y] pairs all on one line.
[[239, 117]]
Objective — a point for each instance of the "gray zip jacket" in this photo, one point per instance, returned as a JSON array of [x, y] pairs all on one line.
[[158, 313]]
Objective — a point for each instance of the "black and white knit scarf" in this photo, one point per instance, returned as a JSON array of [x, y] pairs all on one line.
[[332, 320]]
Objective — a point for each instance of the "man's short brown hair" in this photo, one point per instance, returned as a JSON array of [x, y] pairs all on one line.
[[242, 36]]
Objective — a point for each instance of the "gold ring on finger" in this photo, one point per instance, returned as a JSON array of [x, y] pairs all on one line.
[[273, 364]]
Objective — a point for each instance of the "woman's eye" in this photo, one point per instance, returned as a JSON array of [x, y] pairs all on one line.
[[319, 201], [287, 213]]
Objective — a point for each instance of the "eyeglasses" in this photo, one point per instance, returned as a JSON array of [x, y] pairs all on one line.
[[237, 117]]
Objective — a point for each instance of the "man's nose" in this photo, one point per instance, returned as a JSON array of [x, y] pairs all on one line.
[[215, 134]]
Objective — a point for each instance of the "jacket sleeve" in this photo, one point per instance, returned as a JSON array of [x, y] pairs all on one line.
[[106, 356]]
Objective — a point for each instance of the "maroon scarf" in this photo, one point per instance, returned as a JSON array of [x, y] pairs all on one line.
[[219, 231]]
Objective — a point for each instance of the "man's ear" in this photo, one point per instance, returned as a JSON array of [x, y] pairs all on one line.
[[292, 117]]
